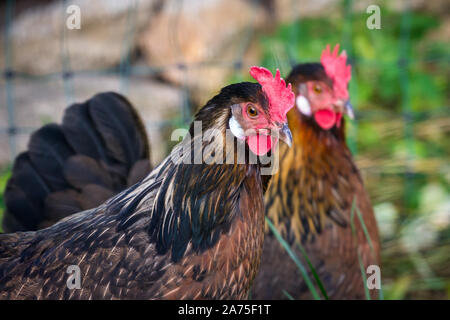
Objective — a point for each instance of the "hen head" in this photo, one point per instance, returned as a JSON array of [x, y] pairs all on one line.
[[321, 89], [261, 122]]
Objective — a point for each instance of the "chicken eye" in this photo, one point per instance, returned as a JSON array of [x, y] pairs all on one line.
[[252, 111], [317, 89]]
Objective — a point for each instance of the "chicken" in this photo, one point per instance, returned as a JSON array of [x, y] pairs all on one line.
[[193, 228], [310, 199], [100, 149]]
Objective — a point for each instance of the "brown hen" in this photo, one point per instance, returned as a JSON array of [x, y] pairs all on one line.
[[192, 229], [310, 199]]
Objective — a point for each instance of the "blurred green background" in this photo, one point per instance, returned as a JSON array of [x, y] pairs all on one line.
[[400, 139], [399, 88]]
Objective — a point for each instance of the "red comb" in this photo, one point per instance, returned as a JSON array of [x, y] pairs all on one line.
[[337, 69], [281, 98]]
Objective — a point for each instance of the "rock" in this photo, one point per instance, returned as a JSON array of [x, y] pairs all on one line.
[[291, 10], [206, 36], [102, 41]]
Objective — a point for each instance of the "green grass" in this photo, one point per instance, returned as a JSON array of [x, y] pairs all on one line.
[[3, 180], [288, 295], [366, 234], [299, 265], [313, 271]]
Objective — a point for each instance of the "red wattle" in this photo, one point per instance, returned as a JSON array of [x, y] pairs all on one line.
[[325, 118], [260, 144]]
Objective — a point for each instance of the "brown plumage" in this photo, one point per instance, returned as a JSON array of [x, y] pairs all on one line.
[[100, 149], [309, 201], [187, 231]]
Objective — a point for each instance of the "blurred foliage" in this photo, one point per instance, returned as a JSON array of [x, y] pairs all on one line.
[[6, 173], [400, 89]]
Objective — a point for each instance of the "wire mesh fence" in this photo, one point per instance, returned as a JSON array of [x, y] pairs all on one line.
[[125, 70]]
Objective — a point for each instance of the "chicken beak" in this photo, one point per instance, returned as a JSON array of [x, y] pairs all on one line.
[[285, 134], [345, 107], [349, 110]]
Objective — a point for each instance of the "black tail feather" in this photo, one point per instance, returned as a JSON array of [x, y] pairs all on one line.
[[25, 192], [82, 170], [80, 132], [49, 151], [100, 149], [135, 174], [117, 126]]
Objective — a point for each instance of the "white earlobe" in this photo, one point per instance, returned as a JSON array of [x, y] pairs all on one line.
[[303, 105], [236, 128]]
